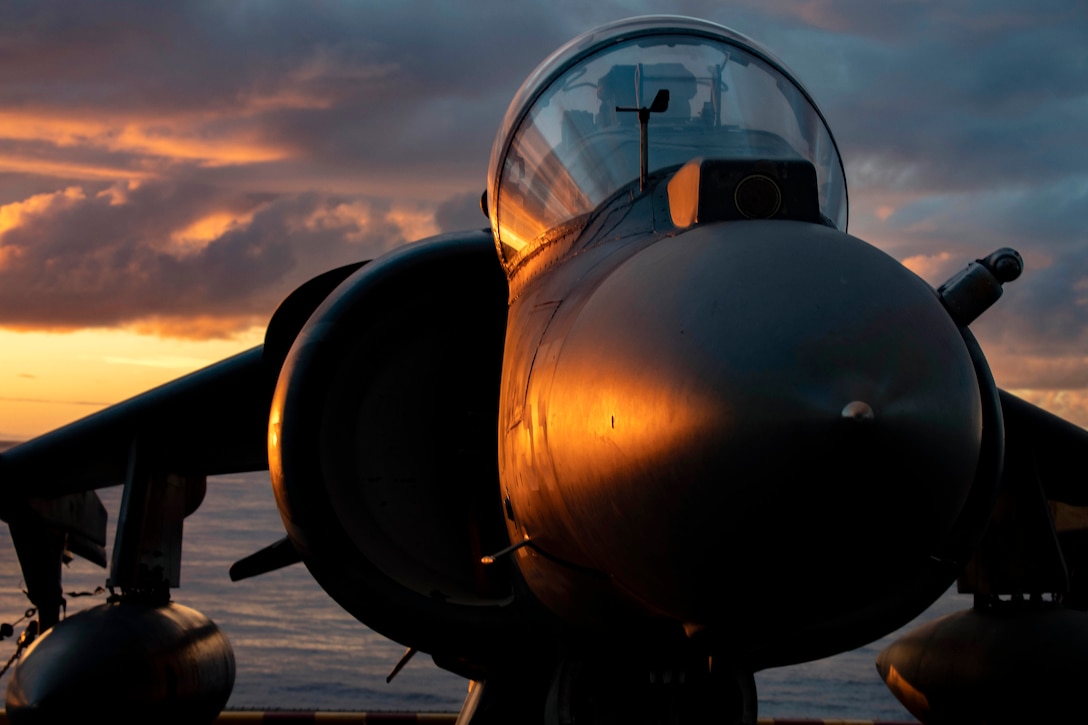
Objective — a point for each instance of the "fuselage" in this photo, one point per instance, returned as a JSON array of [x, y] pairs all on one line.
[[767, 408]]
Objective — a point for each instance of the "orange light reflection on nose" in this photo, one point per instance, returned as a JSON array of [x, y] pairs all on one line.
[[621, 422]]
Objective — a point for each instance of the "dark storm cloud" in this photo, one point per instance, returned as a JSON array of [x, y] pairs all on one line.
[[181, 56], [953, 90], [460, 212], [76, 260], [964, 95], [256, 111], [961, 124], [1044, 313], [410, 85]]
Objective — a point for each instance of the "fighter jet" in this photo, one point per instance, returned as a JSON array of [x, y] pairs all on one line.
[[662, 425]]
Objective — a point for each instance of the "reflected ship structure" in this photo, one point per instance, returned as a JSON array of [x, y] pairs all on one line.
[[649, 447]]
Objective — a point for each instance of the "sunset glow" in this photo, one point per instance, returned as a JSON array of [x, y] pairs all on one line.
[[49, 379], [170, 174]]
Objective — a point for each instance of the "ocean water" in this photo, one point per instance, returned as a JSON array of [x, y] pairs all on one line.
[[296, 649]]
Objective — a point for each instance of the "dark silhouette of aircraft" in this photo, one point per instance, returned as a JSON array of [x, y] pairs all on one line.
[[682, 427]]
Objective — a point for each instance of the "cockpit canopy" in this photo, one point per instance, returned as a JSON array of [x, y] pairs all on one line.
[[566, 145]]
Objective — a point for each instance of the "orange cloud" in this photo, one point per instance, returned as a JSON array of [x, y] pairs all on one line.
[[414, 222], [8, 255], [118, 193], [1052, 373], [199, 327], [207, 229], [348, 214], [12, 215], [1069, 404], [206, 138], [182, 141], [50, 126], [21, 164], [933, 268]]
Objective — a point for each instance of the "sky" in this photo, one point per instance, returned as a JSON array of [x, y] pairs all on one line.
[[170, 171]]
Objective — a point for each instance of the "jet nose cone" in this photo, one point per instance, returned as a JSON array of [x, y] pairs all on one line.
[[773, 404]]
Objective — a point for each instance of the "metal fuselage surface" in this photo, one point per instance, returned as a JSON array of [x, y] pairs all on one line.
[[674, 425]]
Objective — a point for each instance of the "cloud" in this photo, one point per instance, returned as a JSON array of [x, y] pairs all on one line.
[[1069, 404], [930, 267], [178, 168], [461, 212], [379, 88], [127, 255], [186, 166]]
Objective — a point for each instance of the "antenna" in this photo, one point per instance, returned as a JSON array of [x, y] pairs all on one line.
[[660, 104]]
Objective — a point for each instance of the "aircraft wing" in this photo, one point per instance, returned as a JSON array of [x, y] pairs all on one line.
[[1058, 448], [209, 422], [213, 421], [1039, 537], [1037, 533]]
